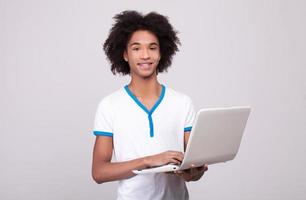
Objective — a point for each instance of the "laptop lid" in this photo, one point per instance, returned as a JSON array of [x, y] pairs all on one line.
[[215, 137]]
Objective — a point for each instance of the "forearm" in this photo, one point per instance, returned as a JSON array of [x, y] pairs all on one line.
[[113, 171]]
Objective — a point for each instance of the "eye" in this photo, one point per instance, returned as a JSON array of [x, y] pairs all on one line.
[[153, 48], [135, 49]]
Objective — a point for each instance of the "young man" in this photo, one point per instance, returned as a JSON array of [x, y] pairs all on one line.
[[145, 123]]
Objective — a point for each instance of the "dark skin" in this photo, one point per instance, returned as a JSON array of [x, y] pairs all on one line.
[[143, 55], [103, 170], [193, 173]]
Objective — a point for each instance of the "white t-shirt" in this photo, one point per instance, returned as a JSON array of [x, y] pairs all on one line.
[[139, 132]]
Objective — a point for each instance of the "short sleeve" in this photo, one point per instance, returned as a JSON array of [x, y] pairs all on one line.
[[103, 120], [190, 115]]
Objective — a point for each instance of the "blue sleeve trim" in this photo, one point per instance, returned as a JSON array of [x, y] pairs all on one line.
[[187, 129], [101, 133]]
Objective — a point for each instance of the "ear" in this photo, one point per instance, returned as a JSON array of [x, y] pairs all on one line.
[[125, 56]]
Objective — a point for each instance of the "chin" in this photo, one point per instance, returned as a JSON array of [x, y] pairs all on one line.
[[147, 74]]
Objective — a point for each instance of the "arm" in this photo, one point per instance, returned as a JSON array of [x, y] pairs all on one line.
[[103, 170]]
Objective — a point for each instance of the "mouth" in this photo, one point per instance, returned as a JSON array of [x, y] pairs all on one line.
[[145, 65]]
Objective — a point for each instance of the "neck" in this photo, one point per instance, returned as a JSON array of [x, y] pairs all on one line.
[[145, 87]]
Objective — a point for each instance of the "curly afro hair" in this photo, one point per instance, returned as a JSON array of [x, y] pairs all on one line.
[[126, 23]]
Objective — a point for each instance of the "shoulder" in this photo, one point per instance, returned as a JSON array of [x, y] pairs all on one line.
[[178, 96], [111, 99]]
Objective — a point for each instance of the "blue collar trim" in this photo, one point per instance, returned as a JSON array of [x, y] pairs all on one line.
[[149, 112]]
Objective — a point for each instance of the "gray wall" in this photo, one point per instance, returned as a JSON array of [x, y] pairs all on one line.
[[240, 52]]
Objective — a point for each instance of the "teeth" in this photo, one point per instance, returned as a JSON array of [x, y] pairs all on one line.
[[145, 64]]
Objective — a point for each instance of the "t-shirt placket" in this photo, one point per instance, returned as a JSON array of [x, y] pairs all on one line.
[[149, 113]]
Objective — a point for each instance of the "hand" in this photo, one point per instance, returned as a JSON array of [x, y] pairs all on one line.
[[164, 158], [193, 173]]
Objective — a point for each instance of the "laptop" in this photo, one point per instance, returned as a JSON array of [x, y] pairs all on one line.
[[215, 137]]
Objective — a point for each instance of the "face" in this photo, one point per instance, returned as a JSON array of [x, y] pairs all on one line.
[[142, 54]]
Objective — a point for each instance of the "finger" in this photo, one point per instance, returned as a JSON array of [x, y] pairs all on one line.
[[175, 161], [181, 154], [179, 173], [179, 159], [196, 170], [201, 168], [177, 154], [193, 170]]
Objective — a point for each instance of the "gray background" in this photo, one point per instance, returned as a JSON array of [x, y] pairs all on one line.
[[239, 52]]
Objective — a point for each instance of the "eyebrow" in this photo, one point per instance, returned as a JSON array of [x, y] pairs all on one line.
[[137, 43]]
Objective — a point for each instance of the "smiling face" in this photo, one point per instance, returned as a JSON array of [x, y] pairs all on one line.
[[143, 54]]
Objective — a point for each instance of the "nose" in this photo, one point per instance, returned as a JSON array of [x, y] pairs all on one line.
[[145, 54]]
